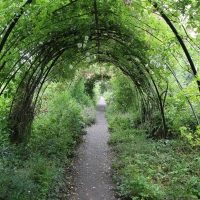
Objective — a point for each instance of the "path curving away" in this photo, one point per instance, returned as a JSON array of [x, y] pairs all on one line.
[[92, 167]]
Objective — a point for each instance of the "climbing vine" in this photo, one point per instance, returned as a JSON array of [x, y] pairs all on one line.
[[49, 40]]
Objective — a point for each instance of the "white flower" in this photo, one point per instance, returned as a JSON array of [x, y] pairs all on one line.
[[157, 65], [88, 59], [88, 54], [71, 66], [95, 57], [86, 38], [164, 67], [84, 45], [79, 45]]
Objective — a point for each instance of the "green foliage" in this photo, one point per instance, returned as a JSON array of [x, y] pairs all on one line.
[[36, 171], [97, 92], [146, 169], [4, 131], [37, 45], [89, 86], [15, 181], [123, 95], [192, 138], [89, 114], [95, 80], [179, 113], [77, 90], [84, 100], [41, 46], [56, 131], [124, 122], [17, 185]]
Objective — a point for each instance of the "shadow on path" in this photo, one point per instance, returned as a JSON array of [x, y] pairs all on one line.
[[91, 170]]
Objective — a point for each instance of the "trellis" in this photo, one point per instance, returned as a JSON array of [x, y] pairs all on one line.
[[48, 45]]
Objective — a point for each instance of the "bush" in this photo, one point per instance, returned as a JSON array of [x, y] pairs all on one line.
[[36, 171], [89, 115], [123, 121], [123, 95], [58, 130], [77, 91]]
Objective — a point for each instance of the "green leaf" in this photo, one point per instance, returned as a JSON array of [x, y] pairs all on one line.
[[198, 5]]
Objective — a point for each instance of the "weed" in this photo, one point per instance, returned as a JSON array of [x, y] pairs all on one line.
[[148, 169]]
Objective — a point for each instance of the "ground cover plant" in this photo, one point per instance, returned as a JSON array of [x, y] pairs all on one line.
[[146, 169]]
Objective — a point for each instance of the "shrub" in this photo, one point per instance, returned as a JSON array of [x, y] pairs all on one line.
[[123, 121], [77, 91], [35, 171]]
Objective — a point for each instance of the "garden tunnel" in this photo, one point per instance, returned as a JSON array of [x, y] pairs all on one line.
[[48, 40]]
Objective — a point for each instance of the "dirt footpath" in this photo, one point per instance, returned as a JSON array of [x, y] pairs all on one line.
[[92, 167]]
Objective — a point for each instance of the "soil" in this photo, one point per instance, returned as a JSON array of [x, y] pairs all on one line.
[[92, 167]]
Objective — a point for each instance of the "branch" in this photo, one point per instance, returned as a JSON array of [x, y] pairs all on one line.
[[12, 25], [97, 24], [167, 20]]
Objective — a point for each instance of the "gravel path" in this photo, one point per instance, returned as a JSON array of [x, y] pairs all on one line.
[[92, 168]]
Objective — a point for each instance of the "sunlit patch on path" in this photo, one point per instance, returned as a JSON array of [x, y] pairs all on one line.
[[91, 171]]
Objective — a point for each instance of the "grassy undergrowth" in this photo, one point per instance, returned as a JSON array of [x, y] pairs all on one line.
[[37, 170], [148, 169]]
